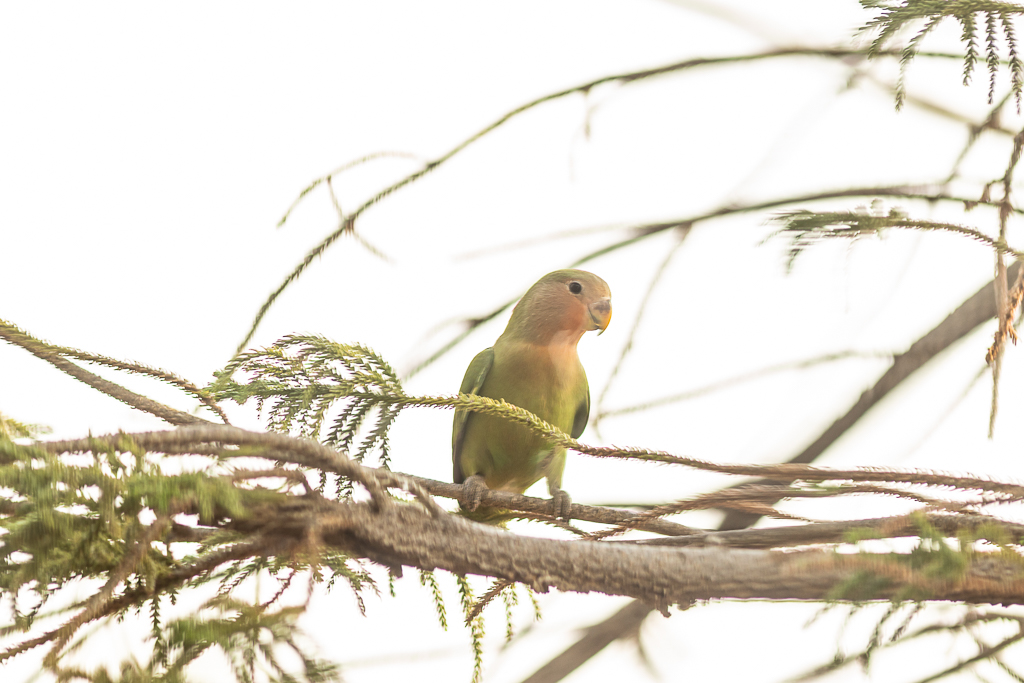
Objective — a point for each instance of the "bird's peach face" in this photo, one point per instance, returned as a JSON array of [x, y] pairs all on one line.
[[595, 297]]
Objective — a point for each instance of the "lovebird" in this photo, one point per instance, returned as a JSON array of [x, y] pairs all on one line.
[[533, 365]]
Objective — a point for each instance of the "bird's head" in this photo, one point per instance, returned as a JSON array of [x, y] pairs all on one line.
[[562, 305]]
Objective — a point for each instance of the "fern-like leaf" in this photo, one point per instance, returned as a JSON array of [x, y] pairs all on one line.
[[894, 16], [806, 228], [301, 378], [1016, 68], [476, 627]]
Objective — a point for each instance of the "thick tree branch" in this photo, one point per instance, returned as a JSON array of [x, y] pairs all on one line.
[[418, 534], [400, 535], [407, 535]]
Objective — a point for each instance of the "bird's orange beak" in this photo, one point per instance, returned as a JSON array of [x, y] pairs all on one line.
[[600, 314]]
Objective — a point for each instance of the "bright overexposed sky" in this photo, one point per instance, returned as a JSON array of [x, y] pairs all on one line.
[[147, 152]]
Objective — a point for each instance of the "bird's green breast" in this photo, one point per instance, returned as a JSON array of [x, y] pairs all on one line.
[[548, 381]]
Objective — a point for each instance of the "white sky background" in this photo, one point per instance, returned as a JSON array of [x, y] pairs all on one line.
[[146, 154]]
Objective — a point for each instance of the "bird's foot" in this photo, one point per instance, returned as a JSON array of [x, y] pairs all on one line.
[[474, 488], [561, 504]]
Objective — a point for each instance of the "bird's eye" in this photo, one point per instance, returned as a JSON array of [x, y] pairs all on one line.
[[575, 287]]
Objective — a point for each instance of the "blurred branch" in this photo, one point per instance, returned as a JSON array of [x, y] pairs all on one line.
[[546, 239], [928, 193], [969, 621], [468, 325], [741, 379], [975, 311], [623, 624], [746, 495], [348, 223], [682, 232], [991, 122], [983, 654]]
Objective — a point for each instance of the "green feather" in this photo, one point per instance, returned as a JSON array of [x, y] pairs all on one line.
[[533, 365]]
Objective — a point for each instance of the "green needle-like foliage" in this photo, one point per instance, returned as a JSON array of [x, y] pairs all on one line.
[[300, 378], [12, 429], [252, 638], [80, 519], [105, 511], [997, 18], [807, 228], [476, 627]]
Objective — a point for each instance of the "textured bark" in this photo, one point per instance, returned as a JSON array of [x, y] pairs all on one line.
[[407, 535]]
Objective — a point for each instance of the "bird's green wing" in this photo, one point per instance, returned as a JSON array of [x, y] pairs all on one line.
[[471, 384], [579, 422]]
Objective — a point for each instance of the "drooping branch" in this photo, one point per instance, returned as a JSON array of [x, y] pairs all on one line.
[[56, 357]]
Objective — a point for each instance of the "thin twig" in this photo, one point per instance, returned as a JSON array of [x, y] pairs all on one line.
[[841, 532], [743, 378], [682, 232], [625, 78], [55, 356], [494, 591], [983, 654]]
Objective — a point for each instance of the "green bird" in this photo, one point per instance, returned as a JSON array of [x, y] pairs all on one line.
[[533, 365]]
